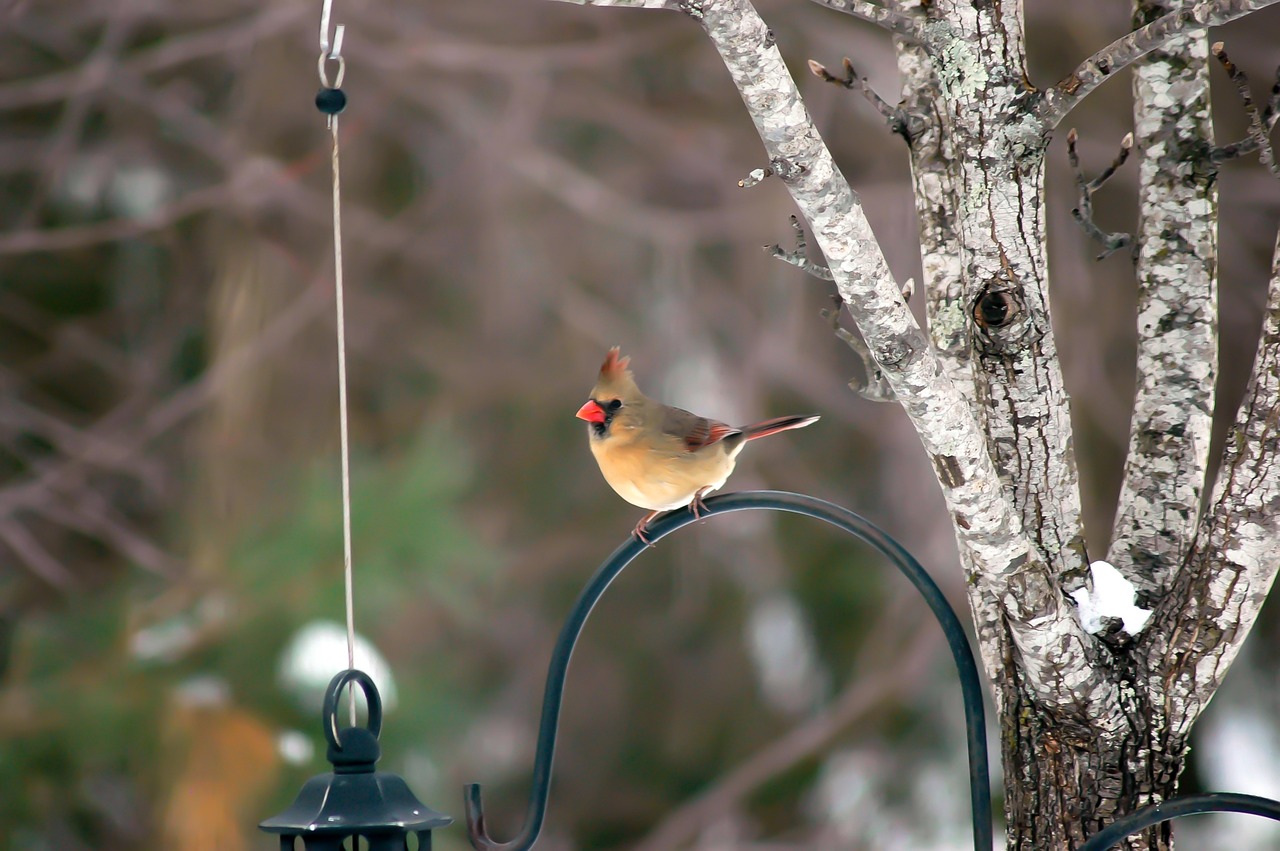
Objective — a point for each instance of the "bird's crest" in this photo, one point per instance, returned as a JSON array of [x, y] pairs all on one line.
[[615, 367]]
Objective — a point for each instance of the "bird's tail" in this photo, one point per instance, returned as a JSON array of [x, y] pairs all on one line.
[[776, 425]]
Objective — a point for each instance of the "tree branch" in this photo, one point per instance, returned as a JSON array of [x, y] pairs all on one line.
[[1217, 596], [1023, 404], [890, 19], [173, 50], [1083, 212], [70, 237], [1051, 643], [871, 385], [897, 119], [936, 194], [799, 256], [122, 434], [674, 5], [1261, 122], [1176, 267], [1094, 71]]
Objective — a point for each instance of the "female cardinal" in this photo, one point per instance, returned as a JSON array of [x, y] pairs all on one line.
[[656, 456]]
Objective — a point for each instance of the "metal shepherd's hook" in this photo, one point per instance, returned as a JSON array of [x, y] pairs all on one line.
[[841, 518]]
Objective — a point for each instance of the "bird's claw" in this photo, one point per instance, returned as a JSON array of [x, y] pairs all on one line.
[[640, 531], [696, 504]]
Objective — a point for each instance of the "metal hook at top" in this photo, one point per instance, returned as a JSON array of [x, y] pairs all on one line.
[[336, 53], [330, 50]]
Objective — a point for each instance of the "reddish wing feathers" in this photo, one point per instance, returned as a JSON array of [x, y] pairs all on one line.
[[708, 432], [695, 431]]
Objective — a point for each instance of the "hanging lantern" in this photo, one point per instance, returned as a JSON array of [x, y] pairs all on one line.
[[355, 800]]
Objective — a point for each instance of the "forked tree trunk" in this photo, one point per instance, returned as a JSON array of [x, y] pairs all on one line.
[[1095, 722]]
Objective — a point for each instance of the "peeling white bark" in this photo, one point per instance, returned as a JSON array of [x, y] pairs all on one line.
[[936, 195], [1216, 597], [890, 19], [633, 4], [932, 173], [1098, 68], [1000, 217], [1177, 312]]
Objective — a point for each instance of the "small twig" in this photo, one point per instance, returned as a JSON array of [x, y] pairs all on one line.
[[781, 167], [800, 256], [1261, 123], [755, 177], [1111, 242], [76, 110], [897, 119], [871, 385], [892, 20], [1062, 98]]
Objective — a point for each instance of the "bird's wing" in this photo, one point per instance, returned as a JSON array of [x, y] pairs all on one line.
[[695, 431]]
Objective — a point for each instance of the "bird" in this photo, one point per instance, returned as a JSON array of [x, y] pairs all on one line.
[[659, 457]]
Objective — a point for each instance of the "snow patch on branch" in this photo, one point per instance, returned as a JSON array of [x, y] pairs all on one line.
[[1110, 595]]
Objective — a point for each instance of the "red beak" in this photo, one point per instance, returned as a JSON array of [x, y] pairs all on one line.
[[591, 412]]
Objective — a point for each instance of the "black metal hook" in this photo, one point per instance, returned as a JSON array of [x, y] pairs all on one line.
[[1190, 805], [842, 518]]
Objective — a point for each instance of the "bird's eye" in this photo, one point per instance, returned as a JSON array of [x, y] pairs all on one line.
[[613, 405]]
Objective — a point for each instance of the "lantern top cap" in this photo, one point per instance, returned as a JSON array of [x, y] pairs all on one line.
[[354, 799]]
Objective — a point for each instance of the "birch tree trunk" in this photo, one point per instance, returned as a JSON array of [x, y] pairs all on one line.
[[1095, 720]]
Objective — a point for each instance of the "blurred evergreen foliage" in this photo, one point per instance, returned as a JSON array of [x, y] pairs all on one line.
[[94, 711]]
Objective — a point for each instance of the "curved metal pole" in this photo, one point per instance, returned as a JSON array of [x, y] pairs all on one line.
[[842, 518], [1212, 802]]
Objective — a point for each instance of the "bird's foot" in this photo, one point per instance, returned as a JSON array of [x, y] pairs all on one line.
[[696, 504], [641, 529]]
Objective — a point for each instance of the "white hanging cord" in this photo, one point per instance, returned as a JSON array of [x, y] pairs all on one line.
[[335, 54]]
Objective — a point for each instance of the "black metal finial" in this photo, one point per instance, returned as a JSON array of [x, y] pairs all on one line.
[[355, 800]]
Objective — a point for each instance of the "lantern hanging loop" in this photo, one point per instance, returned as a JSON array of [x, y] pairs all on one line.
[[333, 694]]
